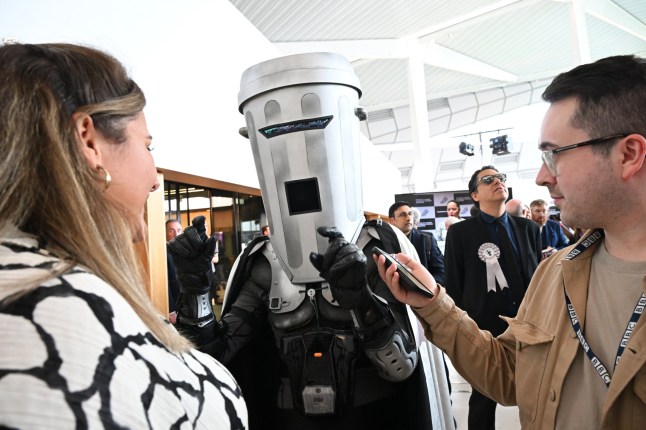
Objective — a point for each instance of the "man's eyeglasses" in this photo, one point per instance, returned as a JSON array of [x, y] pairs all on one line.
[[548, 156], [488, 179]]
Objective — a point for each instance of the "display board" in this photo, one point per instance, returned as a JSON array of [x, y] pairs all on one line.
[[432, 207]]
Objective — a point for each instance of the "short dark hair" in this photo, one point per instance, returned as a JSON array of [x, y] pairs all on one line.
[[538, 202], [610, 94], [395, 206], [473, 182], [172, 220], [453, 201]]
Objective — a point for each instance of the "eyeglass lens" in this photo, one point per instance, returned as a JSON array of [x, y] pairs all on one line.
[[488, 180]]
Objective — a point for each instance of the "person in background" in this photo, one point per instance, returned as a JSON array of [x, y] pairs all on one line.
[[401, 216], [453, 209], [527, 211], [450, 221], [220, 278], [490, 259], [552, 236], [572, 233], [82, 344], [558, 360], [515, 207], [173, 228], [417, 217], [265, 230]]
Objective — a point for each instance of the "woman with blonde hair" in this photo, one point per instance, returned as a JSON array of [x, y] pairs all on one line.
[[82, 344]]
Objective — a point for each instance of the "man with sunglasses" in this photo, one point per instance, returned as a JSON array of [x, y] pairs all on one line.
[[490, 259], [574, 357]]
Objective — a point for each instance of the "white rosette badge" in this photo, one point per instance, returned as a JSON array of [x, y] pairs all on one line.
[[490, 253]]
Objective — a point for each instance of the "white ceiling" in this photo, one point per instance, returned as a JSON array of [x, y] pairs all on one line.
[[455, 62]]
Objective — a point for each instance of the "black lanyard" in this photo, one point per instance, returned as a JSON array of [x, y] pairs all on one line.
[[574, 319]]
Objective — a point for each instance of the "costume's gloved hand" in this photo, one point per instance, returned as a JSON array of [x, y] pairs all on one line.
[[343, 266], [192, 253], [199, 222]]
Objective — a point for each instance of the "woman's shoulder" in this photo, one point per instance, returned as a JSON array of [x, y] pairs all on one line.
[[79, 351]]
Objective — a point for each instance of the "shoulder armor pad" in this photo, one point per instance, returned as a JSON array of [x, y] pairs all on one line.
[[283, 296]]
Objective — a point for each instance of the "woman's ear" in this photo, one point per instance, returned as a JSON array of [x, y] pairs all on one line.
[[88, 138]]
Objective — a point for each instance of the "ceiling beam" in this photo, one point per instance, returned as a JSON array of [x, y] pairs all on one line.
[[609, 12], [579, 30], [353, 50], [439, 56], [433, 54], [486, 12]]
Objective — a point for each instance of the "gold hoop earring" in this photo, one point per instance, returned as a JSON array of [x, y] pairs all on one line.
[[107, 179]]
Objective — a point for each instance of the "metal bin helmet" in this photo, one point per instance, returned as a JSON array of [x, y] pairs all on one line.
[[302, 119]]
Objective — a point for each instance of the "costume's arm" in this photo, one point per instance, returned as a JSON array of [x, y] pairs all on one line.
[[384, 341], [192, 254], [173, 284]]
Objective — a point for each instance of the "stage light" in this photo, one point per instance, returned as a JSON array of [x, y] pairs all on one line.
[[499, 145], [466, 149]]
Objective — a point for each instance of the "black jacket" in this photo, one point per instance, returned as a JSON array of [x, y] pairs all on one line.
[[466, 273], [429, 253]]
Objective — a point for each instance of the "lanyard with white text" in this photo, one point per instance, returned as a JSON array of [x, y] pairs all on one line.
[[596, 362], [574, 319]]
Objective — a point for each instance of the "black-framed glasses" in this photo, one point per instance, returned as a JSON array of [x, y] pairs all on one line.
[[548, 156], [488, 179]]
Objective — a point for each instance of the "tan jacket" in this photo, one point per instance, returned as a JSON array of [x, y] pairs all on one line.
[[527, 364]]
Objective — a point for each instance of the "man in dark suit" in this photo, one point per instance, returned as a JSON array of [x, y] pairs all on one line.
[[173, 228], [490, 259], [552, 236], [430, 255]]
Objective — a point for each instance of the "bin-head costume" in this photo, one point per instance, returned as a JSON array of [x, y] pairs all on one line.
[[339, 351], [301, 113]]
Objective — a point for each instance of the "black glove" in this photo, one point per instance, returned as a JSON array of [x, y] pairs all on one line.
[[199, 223], [192, 257], [344, 267]]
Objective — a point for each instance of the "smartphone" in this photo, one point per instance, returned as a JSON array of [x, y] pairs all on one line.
[[406, 277]]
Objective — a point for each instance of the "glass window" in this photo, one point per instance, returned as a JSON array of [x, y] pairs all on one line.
[[234, 217]]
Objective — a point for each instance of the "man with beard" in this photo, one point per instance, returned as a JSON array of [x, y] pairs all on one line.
[[559, 360]]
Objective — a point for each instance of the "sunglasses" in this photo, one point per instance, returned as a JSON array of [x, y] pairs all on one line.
[[488, 179]]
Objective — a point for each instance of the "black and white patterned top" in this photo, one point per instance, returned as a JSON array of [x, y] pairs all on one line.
[[74, 354]]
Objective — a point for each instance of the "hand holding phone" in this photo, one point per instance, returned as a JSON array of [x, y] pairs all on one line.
[[406, 277]]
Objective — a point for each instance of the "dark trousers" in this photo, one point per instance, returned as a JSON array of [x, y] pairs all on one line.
[[482, 412]]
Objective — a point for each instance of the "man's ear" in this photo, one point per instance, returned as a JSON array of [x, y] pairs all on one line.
[[87, 137], [633, 153], [474, 195]]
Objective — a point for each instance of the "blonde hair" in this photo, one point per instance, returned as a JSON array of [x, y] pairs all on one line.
[[49, 190]]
